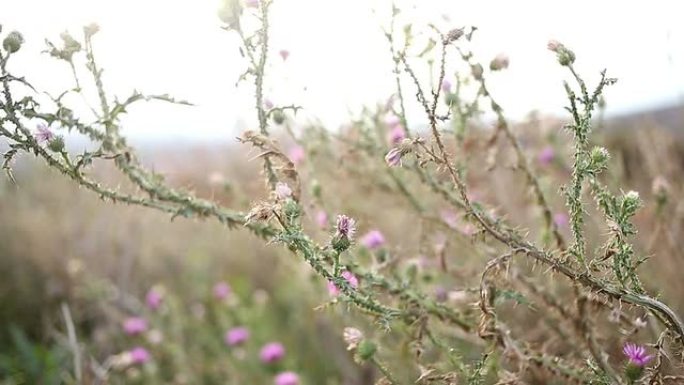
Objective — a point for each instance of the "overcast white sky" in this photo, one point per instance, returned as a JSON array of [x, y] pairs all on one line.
[[339, 59]]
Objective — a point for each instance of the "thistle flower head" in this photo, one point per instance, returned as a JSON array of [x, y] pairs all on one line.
[[453, 35], [393, 157], [272, 352], [322, 219], [236, 336], [221, 290], [348, 276], [296, 154], [373, 239], [286, 378], [43, 134], [352, 337], [154, 298], [284, 54], [546, 156], [134, 325], [139, 355], [554, 45], [636, 354], [396, 135], [446, 86], [346, 227]]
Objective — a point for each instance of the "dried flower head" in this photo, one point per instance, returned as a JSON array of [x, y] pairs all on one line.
[[453, 35], [261, 212], [500, 62], [352, 337], [283, 191]]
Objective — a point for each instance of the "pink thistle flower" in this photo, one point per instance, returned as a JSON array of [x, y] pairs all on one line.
[[351, 279], [252, 3], [546, 156], [286, 378], [221, 290], [396, 135], [154, 298], [392, 120], [268, 104], [561, 219], [393, 157], [322, 219], [284, 54], [134, 325], [283, 191], [554, 45], [373, 239], [346, 227], [139, 355], [236, 336], [272, 352], [636, 354], [446, 86], [296, 154], [44, 134]]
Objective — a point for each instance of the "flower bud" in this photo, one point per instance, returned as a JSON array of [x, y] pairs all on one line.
[[278, 117], [565, 56], [366, 350], [477, 71], [599, 159], [56, 144], [13, 42]]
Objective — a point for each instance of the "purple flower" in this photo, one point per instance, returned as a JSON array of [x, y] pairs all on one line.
[[334, 291], [139, 355], [221, 290], [272, 352], [561, 219], [322, 219], [393, 157], [284, 54], [346, 227], [396, 135], [373, 239], [268, 104], [154, 298], [296, 154], [286, 378], [44, 134], [546, 156], [134, 325], [636, 354], [236, 336], [446, 86]]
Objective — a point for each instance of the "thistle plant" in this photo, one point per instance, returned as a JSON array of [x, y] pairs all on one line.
[[426, 170]]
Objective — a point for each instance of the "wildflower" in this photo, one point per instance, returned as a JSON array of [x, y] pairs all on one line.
[[346, 227], [134, 325], [393, 157], [554, 45], [441, 294], [446, 86], [268, 104], [272, 352], [322, 219], [139, 355], [236, 336], [221, 290], [477, 70], [546, 156], [396, 135], [154, 298], [500, 62], [352, 336], [284, 54], [636, 354], [252, 3], [44, 134], [348, 276], [561, 219], [373, 239], [296, 154], [283, 191], [286, 378]]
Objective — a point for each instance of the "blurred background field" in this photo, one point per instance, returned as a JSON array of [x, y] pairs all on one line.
[[62, 248]]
